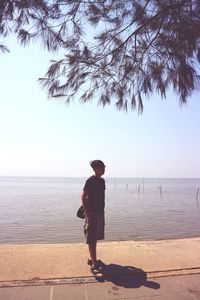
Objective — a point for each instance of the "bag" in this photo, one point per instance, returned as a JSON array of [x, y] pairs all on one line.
[[80, 212]]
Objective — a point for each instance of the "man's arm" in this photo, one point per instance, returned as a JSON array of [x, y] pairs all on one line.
[[83, 198], [88, 214]]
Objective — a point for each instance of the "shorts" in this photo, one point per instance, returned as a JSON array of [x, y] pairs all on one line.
[[94, 228]]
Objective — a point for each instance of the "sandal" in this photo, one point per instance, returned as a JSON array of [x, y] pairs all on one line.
[[96, 272], [100, 263]]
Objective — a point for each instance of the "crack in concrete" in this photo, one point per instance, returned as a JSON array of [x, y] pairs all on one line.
[[51, 293]]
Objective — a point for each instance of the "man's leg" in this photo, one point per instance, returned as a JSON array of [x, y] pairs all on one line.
[[93, 253]]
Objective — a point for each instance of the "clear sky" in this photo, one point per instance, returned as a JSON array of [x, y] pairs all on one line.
[[41, 137]]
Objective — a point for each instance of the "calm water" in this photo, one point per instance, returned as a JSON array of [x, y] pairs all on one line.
[[43, 210]]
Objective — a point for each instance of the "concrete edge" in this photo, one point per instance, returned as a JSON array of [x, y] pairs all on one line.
[[13, 245], [92, 279]]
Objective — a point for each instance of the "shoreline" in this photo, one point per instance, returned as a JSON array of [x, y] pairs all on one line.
[[103, 241]]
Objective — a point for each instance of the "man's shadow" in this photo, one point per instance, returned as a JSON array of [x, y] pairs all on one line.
[[127, 276]]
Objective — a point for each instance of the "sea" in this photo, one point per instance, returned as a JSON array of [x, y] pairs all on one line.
[[43, 210]]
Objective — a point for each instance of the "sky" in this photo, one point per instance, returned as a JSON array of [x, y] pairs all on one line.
[[43, 137]]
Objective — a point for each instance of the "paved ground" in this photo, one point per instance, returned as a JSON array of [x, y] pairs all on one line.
[[168, 269], [29, 262], [184, 287]]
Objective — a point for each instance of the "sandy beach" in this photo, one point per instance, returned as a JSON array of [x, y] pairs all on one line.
[[39, 263]]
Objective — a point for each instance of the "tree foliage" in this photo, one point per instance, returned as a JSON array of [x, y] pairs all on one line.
[[115, 50]]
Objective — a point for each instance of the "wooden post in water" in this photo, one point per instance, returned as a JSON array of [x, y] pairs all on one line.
[[138, 188], [160, 188], [197, 196]]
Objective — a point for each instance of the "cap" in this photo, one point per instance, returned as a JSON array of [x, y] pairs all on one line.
[[96, 163]]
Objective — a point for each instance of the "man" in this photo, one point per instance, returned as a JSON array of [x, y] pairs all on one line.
[[93, 199]]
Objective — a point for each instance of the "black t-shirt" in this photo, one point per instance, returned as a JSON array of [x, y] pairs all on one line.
[[95, 189]]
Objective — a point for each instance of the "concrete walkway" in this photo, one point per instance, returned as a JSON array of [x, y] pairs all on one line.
[[48, 271], [185, 287]]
